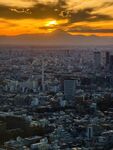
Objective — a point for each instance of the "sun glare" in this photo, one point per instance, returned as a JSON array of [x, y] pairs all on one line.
[[51, 23]]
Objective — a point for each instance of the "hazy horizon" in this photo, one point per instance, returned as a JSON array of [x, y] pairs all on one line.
[[56, 38]]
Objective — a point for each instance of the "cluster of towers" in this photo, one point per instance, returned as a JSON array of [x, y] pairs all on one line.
[[108, 60]]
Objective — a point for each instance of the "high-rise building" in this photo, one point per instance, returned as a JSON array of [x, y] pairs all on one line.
[[69, 89], [107, 58], [111, 63], [97, 60], [89, 133]]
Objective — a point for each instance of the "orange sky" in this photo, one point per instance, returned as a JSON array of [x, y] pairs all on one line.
[[84, 17]]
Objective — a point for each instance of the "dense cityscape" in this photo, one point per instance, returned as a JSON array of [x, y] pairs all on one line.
[[56, 98]]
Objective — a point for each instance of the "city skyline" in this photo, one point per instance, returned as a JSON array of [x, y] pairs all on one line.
[[76, 17]]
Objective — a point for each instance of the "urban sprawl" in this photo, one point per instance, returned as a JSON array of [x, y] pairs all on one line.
[[56, 98]]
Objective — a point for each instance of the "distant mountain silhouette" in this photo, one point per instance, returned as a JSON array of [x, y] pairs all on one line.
[[60, 32], [58, 37]]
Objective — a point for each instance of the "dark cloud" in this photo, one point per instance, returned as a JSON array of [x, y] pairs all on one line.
[[6, 12], [47, 28], [106, 4], [39, 11], [8, 23], [86, 29], [86, 15], [58, 11]]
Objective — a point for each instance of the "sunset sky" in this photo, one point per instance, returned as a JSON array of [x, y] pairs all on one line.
[[85, 17]]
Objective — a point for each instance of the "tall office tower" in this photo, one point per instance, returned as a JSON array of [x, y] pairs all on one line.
[[97, 60], [69, 89], [43, 84], [111, 63], [107, 58], [89, 132]]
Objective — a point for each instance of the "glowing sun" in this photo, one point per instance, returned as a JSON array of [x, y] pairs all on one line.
[[51, 23]]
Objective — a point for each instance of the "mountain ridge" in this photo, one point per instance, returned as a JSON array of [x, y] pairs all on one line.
[[57, 37]]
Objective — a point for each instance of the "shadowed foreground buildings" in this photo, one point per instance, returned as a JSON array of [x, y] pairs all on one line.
[[64, 104]]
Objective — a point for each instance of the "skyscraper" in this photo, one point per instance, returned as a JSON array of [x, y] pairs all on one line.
[[69, 89], [107, 58], [89, 133], [111, 63], [97, 60]]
